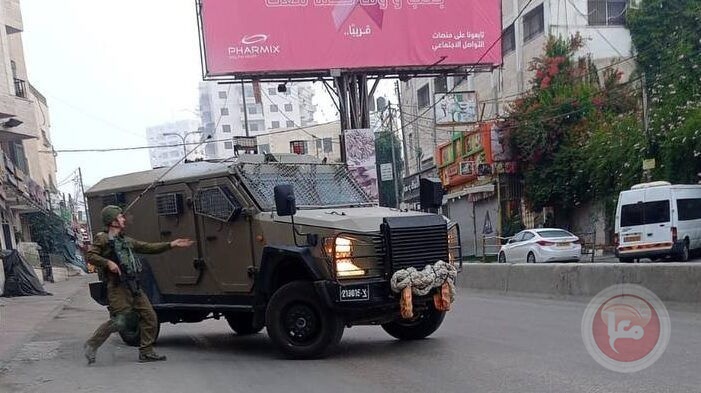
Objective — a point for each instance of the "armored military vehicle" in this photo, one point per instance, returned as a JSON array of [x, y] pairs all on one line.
[[282, 242]]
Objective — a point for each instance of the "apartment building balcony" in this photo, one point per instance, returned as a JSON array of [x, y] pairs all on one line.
[[17, 114]]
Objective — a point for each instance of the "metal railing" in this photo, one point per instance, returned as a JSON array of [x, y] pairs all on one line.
[[492, 244]]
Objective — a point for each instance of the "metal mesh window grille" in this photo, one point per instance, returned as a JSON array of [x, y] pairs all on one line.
[[216, 203], [168, 204], [315, 185]]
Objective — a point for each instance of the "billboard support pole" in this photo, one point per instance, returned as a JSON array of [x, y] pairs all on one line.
[[245, 108], [353, 104]]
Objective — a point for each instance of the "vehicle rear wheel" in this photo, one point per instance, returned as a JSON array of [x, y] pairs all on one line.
[[502, 257], [131, 334], [418, 328], [683, 255], [243, 323], [299, 324], [530, 258]]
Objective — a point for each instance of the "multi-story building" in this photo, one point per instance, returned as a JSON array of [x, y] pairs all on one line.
[[230, 110], [472, 199], [27, 166], [179, 136], [321, 140]]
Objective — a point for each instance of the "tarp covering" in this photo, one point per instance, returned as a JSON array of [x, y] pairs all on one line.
[[20, 279]]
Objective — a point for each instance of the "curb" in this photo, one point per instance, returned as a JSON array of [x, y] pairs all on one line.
[[48, 316]]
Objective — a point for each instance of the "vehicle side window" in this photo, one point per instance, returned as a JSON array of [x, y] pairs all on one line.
[[689, 209], [517, 238], [217, 203], [527, 236]]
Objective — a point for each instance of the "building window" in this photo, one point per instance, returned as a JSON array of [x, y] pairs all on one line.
[[288, 107], [328, 145], [248, 91], [253, 127], [226, 128], [607, 12], [275, 124], [533, 23], [252, 109], [224, 111], [274, 108], [508, 43], [272, 91], [222, 95], [440, 84], [290, 124], [298, 147], [228, 145], [423, 96]]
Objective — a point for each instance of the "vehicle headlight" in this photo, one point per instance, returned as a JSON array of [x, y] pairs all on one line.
[[454, 250], [352, 256]]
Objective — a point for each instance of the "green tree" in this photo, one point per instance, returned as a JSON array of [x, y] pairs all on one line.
[[383, 152], [566, 126], [667, 36]]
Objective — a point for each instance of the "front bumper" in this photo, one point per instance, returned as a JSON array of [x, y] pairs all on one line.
[[381, 305]]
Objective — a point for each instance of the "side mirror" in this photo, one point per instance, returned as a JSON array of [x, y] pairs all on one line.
[[285, 203], [431, 194]]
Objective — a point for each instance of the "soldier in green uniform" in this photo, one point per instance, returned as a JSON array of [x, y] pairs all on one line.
[[112, 254]]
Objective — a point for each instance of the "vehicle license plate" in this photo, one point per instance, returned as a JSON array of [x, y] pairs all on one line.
[[563, 245], [631, 238], [355, 293]]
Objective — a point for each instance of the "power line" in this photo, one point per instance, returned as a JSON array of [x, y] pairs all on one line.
[[105, 150]]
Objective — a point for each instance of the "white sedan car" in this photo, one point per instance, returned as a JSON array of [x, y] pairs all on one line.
[[541, 245]]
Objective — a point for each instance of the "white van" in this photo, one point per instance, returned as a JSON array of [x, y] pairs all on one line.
[[656, 220]]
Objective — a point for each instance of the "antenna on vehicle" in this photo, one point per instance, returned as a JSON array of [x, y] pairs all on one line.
[[150, 186]]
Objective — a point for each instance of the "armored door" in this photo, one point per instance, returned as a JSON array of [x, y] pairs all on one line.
[[176, 219], [225, 233]]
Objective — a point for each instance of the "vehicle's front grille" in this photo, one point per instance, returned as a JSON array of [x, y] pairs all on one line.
[[415, 241]]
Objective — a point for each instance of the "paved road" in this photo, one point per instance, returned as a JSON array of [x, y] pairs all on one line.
[[487, 344]]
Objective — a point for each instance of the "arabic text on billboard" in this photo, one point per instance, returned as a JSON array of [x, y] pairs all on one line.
[[276, 36], [361, 160]]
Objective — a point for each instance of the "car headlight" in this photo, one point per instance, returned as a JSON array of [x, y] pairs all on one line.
[[454, 250], [353, 256]]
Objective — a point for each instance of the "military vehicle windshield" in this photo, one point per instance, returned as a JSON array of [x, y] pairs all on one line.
[[315, 185]]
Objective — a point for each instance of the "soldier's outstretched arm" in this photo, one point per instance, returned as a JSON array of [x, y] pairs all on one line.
[[148, 248]]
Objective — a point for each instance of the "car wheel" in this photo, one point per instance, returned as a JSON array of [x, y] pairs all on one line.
[[683, 255], [299, 324], [422, 326], [131, 334], [502, 257], [530, 258], [243, 323]]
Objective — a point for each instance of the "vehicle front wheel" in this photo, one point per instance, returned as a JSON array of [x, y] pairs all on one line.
[[243, 323], [502, 257], [422, 326], [299, 324]]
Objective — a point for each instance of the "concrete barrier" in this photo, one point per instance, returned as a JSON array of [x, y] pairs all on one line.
[[675, 282]]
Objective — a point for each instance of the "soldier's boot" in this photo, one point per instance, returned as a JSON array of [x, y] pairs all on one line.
[[90, 353], [151, 357]]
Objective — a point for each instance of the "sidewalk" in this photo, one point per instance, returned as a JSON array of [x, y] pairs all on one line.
[[20, 317]]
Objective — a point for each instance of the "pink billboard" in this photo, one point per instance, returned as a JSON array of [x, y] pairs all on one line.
[[277, 36]]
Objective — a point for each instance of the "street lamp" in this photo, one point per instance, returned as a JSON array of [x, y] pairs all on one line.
[[183, 138]]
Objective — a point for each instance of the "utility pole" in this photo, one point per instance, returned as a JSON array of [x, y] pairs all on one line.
[[646, 126], [395, 171], [245, 109], [401, 119], [85, 203]]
